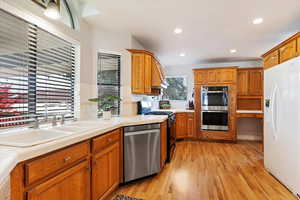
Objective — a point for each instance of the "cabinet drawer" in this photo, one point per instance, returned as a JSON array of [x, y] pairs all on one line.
[[44, 166], [105, 140], [288, 51], [271, 60]]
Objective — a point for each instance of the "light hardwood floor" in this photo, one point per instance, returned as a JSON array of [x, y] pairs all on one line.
[[211, 171]]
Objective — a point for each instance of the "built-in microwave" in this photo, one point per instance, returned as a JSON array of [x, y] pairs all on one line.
[[214, 98], [214, 120]]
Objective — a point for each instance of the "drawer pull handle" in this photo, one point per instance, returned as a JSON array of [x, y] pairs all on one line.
[[66, 159]]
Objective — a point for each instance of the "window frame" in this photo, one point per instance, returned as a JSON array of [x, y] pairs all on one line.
[[103, 51], [35, 21], [185, 82]]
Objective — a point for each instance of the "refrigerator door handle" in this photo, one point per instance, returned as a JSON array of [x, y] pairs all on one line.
[[274, 113]]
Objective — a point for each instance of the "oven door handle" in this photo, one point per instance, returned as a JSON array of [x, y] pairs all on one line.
[[215, 111]]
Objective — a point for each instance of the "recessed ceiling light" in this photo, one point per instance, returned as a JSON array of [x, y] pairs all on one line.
[[233, 50], [178, 30], [182, 54], [258, 21]]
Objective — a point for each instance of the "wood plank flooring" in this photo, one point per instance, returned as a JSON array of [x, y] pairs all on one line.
[[211, 171]]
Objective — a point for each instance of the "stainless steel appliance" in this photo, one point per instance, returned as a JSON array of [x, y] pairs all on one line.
[[214, 120], [214, 108], [141, 151], [144, 107], [214, 98]]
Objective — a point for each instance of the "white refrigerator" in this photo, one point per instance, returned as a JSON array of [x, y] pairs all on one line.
[[282, 123]]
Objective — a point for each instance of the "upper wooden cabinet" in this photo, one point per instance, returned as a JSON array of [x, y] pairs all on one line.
[[250, 82], [282, 52], [138, 73], [288, 51], [271, 59], [200, 77], [255, 82], [147, 75], [243, 82], [215, 75]]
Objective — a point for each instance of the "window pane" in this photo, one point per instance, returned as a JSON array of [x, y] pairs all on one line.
[[176, 90], [109, 79], [14, 65]]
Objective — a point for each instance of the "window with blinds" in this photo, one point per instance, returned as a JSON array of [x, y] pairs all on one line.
[[108, 78], [37, 72]]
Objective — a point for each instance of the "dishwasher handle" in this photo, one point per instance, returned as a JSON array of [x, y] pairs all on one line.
[[146, 132], [144, 127]]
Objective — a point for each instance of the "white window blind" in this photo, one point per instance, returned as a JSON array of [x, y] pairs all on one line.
[[37, 72]]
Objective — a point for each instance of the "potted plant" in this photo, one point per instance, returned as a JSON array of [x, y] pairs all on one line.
[[106, 104]]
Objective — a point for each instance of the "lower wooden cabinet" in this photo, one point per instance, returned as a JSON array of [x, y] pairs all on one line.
[[185, 125], [163, 143], [181, 125], [105, 171], [76, 180], [191, 131]]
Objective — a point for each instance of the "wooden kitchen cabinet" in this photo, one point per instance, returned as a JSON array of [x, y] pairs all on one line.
[[105, 166], [163, 143], [243, 82], [226, 75], [181, 125], [255, 82], [146, 75], [138, 73], [271, 60], [212, 76], [73, 183], [191, 131], [250, 82], [284, 51], [200, 77], [288, 51]]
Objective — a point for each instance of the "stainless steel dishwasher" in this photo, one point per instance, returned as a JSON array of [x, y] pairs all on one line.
[[141, 151]]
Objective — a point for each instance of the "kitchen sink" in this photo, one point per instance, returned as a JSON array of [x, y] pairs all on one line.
[[27, 138]]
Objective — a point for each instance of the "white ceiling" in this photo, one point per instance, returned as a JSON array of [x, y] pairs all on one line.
[[210, 28]]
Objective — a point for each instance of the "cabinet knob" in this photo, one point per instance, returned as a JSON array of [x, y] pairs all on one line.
[[109, 139], [66, 159]]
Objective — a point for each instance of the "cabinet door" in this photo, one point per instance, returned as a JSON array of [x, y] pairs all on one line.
[[211, 76], [243, 81], [181, 125], [163, 143], [200, 77], [105, 170], [227, 75], [114, 165], [148, 74], [73, 183], [271, 60], [288, 51], [191, 126], [255, 82], [138, 73]]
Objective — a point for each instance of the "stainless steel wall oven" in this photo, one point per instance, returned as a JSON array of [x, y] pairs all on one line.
[[214, 108]]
